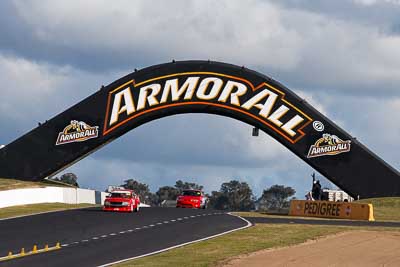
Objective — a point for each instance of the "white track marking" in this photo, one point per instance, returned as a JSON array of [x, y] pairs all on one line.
[[183, 244], [143, 227]]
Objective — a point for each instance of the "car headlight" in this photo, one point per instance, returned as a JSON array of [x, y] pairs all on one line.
[[125, 203], [107, 203]]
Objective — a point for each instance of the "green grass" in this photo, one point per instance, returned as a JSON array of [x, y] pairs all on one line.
[[8, 184], [37, 208], [213, 251], [386, 208], [216, 251]]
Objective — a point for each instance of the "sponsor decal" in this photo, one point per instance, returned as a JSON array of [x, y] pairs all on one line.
[[348, 210], [318, 126], [322, 209], [262, 102], [328, 144], [77, 131], [298, 207]]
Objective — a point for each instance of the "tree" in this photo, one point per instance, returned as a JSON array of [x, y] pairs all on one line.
[[68, 178], [276, 197], [239, 194], [142, 190], [167, 193], [233, 195], [180, 185], [218, 201]]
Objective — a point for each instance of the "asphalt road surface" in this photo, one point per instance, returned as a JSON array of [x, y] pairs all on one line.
[[91, 237]]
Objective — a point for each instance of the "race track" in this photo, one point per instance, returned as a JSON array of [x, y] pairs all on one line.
[[90, 237]]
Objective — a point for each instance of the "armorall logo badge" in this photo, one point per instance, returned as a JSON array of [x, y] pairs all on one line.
[[77, 131], [328, 145]]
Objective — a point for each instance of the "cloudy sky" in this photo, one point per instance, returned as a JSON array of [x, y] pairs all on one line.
[[341, 56]]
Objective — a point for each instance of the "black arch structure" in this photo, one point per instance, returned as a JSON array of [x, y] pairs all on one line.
[[200, 87]]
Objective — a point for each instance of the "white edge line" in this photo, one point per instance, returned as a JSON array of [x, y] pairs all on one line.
[[183, 244]]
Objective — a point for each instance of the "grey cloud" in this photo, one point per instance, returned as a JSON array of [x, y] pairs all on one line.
[[298, 42], [194, 139], [384, 14], [32, 92], [21, 38]]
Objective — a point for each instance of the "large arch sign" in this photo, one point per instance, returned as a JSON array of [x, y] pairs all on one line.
[[199, 87]]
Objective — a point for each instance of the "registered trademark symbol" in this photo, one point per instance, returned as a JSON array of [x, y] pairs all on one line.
[[318, 126]]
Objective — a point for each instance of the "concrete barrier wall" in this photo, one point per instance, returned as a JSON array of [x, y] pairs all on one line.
[[86, 196], [69, 196], [50, 195], [330, 209]]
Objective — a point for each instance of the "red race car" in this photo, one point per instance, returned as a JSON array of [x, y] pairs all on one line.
[[192, 199], [122, 200]]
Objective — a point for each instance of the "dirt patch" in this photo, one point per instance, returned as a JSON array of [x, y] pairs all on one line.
[[355, 248]]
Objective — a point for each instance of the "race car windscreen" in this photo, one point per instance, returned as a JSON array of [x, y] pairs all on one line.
[[120, 195], [191, 193]]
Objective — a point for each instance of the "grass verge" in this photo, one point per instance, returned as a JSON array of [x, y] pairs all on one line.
[[8, 184], [221, 249], [37, 208], [386, 208]]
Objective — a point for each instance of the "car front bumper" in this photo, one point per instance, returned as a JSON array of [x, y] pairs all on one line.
[[187, 204], [117, 208]]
